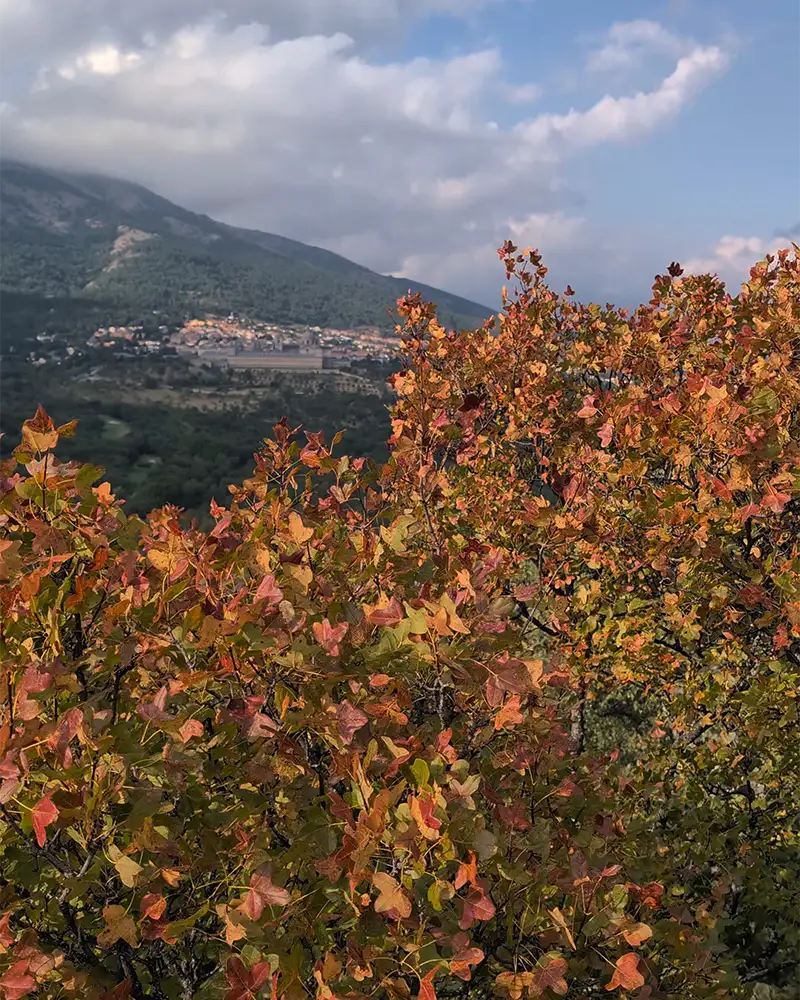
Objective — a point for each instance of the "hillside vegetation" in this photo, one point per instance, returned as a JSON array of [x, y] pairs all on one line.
[[84, 235], [512, 714]]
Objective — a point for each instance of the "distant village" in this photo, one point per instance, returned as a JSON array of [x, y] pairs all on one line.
[[233, 342]]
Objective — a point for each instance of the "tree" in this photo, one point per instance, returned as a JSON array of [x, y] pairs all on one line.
[[308, 752], [666, 562]]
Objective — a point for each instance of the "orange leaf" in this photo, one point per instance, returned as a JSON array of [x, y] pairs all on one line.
[[426, 990], [626, 973], [153, 905], [636, 934], [391, 899], [509, 714]]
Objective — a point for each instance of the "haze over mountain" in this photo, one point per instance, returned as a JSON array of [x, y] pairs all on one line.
[[89, 235]]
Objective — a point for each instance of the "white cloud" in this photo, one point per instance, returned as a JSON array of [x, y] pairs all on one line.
[[278, 116], [629, 43], [620, 118], [524, 93], [733, 257]]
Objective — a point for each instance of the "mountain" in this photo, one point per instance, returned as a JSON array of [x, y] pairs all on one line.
[[86, 235]]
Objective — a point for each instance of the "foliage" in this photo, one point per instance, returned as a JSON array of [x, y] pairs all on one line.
[[668, 563], [303, 737], [168, 454], [341, 745]]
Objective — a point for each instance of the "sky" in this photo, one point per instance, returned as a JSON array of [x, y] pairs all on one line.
[[416, 136]]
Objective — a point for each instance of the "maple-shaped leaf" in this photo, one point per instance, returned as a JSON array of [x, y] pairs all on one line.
[[349, 719], [153, 711], [16, 981], [119, 926], [477, 906], [636, 934], [43, 814], [263, 892], [464, 956], [245, 983], [389, 614], [153, 905], [467, 871], [329, 636], [268, 590], [626, 973], [391, 900], [189, 729], [426, 988], [774, 499], [127, 869], [507, 675], [550, 976], [509, 715], [234, 930], [422, 807], [39, 433]]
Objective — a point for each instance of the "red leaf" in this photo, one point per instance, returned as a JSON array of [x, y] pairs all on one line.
[[190, 728], [329, 637], [467, 871], [509, 714], [43, 814], [477, 906], [605, 433], [6, 936], [268, 590], [775, 500], [245, 983], [551, 977], [67, 730], [16, 982], [263, 892], [391, 614], [349, 719]]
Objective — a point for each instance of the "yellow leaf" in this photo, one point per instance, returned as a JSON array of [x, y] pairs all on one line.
[[119, 927], [299, 532], [560, 921], [127, 868], [302, 574]]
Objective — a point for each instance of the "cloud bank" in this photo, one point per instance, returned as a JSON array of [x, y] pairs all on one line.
[[281, 117]]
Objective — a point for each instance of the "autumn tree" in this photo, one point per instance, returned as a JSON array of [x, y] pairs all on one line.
[[644, 473], [310, 752]]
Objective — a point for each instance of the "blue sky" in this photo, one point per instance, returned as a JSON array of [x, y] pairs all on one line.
[[414, 136]]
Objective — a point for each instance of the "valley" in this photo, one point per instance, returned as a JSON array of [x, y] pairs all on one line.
[[178, 342]]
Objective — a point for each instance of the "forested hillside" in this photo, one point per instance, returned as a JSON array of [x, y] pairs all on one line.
[[86, 235]]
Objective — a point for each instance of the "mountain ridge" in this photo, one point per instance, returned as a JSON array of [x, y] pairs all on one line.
[[77, 234]]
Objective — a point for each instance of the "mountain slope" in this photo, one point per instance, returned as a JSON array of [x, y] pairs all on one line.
[[70, 234]]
